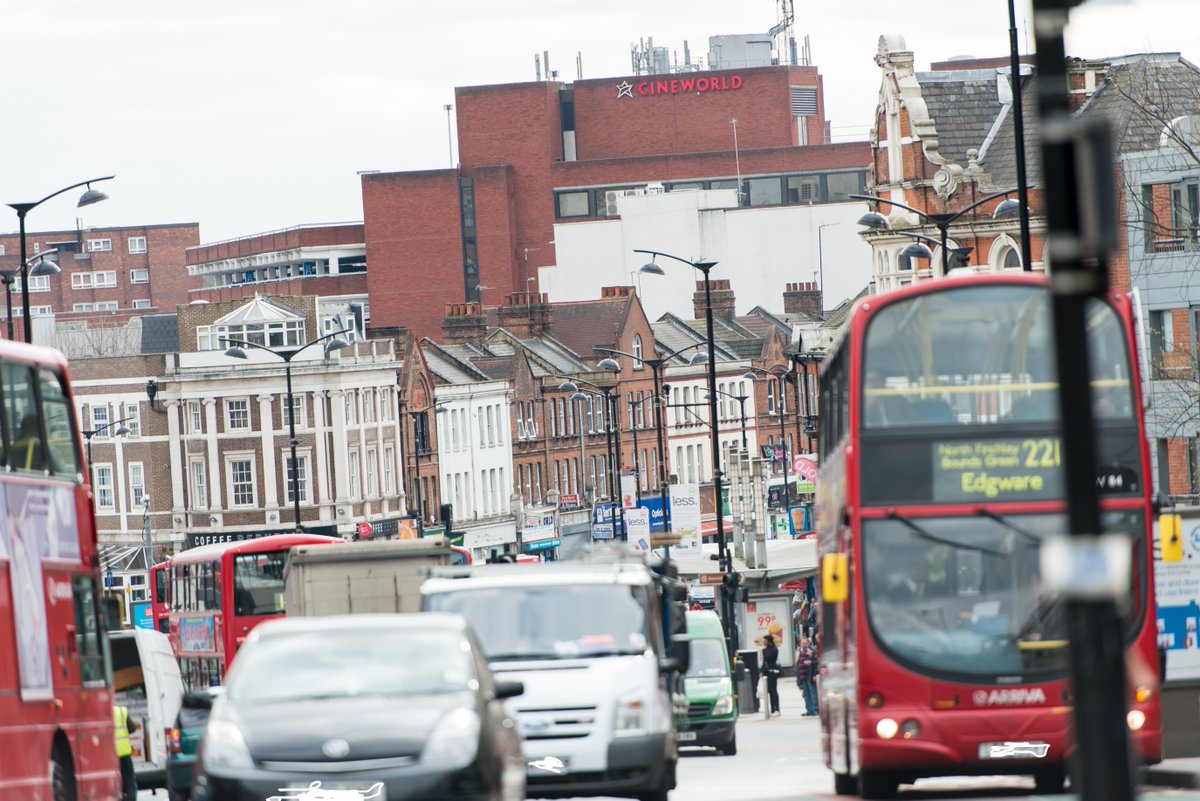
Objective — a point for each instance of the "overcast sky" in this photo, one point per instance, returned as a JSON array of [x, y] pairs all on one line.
[[253, 115]]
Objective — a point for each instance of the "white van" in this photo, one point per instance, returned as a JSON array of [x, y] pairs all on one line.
[[146, 680], [587, 641]]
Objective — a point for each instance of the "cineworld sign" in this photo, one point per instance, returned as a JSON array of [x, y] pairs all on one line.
[[679, 86]]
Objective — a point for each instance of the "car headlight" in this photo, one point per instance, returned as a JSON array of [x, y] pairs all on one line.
[[723, 706], [225, 747], [455, 740], [631, 715]]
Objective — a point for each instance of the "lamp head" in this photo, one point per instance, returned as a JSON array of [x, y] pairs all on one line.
[[698, 358], [666, 388], [1007, 208], [916, 250], [235, 352], [610, 365], [651, 268], [750, 376], [875, 221], [568, 386], [335, 345], [45, 267], [151, 390], [121, 431], [91, 196], [579, 396]]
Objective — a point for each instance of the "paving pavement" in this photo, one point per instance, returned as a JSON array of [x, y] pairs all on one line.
[[1183, 772]]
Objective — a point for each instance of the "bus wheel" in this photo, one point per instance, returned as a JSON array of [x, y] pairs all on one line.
[[875, 784], [845, 784], [62, 781], [1050, 780]]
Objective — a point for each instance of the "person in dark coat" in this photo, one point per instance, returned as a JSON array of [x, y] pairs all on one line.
[[771, 669], [806, 675]]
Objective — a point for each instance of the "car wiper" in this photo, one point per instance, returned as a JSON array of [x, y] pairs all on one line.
[[990, 515], [926, 535], [531, 655]]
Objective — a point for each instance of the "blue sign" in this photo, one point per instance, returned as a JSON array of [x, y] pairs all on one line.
[[602, 521], [654, 504], [143, 615], [544, 545]]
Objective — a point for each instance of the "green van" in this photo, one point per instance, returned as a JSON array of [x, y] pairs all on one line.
[[708, 687]]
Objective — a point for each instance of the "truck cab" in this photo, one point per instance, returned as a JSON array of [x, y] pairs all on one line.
[[588, 642]]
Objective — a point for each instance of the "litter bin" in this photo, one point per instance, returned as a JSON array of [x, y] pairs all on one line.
[[748, 682]]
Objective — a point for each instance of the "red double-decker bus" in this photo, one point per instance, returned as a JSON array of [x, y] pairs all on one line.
[[56, 717], [160, 596], [940, 481], [219, 593]]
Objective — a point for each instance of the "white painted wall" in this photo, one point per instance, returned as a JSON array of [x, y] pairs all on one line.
[[463, 452], [760, 250]]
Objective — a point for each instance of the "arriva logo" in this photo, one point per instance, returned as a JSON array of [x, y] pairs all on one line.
[[1009, 697]]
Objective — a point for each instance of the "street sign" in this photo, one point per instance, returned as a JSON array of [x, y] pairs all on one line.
[[711, 578], [568, 501]]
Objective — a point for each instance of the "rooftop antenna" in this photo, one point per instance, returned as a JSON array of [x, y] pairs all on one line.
[[546, 63], [687, 55], [737, 164], [537, 67], [579, 65], [449, 135]]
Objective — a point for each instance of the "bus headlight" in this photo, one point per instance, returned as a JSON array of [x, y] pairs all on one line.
[[1136, 719], [723, 706], [887, 728], [225, 747]]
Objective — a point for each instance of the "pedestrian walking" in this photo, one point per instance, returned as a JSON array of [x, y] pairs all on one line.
[[771, 670], [806, 675], [122, 725]]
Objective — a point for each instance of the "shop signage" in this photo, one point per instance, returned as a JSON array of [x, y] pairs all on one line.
[[602, 521], [679, 86], [537, 525]]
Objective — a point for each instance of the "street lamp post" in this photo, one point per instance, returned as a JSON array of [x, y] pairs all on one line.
[[875, 220], [726, 561], [781, 377], [237, 350], [88, 198], [655, 366], [416, 446], [9, 277], [87, 441]]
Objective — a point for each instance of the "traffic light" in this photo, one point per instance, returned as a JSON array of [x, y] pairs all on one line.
[[731, 587]]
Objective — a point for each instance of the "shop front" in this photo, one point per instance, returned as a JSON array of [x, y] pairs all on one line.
[[486, 540], [574, 533]]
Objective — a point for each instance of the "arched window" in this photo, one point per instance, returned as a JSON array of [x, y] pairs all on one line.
[[637, 352], [1011, 260]]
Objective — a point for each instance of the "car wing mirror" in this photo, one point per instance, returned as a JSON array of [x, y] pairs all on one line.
[[509, 689]]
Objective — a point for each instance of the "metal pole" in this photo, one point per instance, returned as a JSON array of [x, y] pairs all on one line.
[[8, 300], [722, 550], [618, 468], [1095, 633], [608, 444], [417, 475], [742, 404], [287, 370], [787, 493], [1019, 136], [22, 210], [582, 457], [637, 464], [945, 256], [662, 456]]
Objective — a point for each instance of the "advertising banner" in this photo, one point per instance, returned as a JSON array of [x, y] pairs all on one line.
[[143, 615], [685, 515], [1177, 586], [805, 470], [637, 521], [537, 525], [196, 635], [769, 615], [602, 521], [653, 503], [629, 491]]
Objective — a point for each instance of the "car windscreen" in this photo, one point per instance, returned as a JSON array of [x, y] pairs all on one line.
[[707, 659], [355, 661], [558, 621]]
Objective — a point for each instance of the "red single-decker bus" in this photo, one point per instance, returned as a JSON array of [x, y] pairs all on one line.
[[160, 596], [219, 593], [941, 480]]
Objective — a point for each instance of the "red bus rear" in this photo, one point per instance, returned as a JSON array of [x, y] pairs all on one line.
[[56, 718], [219, 593], [940, 480], [160, 597]]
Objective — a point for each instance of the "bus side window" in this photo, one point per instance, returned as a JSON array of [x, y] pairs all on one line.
[[23, 427], [60, 433]]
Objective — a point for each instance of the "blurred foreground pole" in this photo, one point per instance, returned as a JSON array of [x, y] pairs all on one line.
[[1081, 229]]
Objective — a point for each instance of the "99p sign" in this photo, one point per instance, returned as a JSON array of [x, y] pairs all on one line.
[[769, 616]]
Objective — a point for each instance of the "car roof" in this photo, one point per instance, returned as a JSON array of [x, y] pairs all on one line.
[[439, 621], [542, 575]]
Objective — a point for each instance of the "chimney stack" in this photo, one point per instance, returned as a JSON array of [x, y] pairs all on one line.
[[804, 298], [464, 324], [525, 314], [723, 300]]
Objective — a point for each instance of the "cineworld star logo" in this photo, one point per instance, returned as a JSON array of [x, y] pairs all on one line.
[[624, 89]]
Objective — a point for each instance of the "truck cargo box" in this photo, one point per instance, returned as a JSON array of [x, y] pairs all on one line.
[[360, 577]]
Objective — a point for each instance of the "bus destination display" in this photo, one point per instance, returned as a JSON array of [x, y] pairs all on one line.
[[1014, 468]]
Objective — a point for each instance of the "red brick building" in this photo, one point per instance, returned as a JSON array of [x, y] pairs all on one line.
[[534, 154]]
